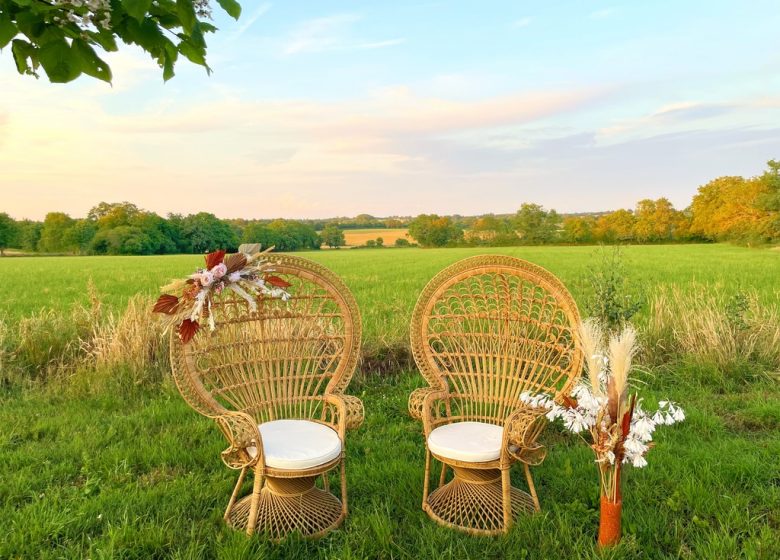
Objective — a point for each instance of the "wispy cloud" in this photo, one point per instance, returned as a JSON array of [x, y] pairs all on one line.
[[392, 152], [332, 33], [683, 112], [318, 34], [261, 10], [601, 14], [522, 22], [378, 44], [669, 116]]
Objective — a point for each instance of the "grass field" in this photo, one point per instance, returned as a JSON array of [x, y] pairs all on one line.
[[357, 237], [385, 284], [122, 470]]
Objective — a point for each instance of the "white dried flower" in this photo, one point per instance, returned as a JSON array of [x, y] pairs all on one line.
[[642, 428]]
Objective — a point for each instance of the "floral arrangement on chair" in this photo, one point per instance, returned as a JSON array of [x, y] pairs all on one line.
[[606, 416], [246, 275]]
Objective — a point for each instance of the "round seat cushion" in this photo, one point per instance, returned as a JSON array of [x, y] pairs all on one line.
[[472, 442], [298, 444]]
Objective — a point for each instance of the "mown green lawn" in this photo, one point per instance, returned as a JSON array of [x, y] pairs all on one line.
[[131, 472]]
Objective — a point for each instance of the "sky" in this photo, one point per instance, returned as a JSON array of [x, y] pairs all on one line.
[[334, 108]]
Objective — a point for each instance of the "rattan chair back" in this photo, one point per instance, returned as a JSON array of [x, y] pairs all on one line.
[[278, 361], [488, 328]]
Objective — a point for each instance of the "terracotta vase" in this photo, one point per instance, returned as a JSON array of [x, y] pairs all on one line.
[[609, 522]]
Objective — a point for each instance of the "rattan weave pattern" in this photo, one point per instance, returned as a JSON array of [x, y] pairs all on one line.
[[289, 359], [483, 331]]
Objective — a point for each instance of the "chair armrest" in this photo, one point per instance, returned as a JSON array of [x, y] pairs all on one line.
[[417, 400], [348, 414], [423, 406], [246, 444], [521, 430]]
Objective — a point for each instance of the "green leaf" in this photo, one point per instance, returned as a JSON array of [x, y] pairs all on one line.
[[137, 8], [31, 25], [8, 30], [193, 52], [146, 35], [91, 64], [24, 51], [232, 7], [59, 61], [105, 39], [186, 12], [170, 54], [197, 37]]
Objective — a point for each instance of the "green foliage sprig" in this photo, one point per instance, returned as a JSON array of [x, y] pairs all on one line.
[[613, 299], [61, 36]]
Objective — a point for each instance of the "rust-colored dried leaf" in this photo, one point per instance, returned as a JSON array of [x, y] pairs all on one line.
[[235, 262], [277, 282], [167, 304], [629, 414], [569, 402], [187, 330], [213, 259], [613, 401]]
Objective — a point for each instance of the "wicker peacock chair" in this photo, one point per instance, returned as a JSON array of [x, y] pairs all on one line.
[[273, 379], [485, 330]]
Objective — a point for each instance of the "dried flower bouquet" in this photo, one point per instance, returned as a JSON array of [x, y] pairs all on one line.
[[606, 416], [247, 275]]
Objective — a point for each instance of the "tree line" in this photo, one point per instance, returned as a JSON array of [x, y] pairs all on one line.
[[730, 208], [743, 210], [124, 229]]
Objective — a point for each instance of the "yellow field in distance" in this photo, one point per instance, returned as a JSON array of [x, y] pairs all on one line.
[[356, 237]]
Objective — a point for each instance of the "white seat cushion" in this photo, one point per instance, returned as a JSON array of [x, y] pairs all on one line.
[[473, 442], [297, 444]]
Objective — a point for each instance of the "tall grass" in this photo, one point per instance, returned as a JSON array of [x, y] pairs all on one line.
[[728, 317], [693, 324], [131, 341], [4, 347], [53, 345], [710, 328], [697, 324]]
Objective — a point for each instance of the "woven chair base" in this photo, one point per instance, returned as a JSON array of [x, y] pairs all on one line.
[[472, 502], [288, 506]]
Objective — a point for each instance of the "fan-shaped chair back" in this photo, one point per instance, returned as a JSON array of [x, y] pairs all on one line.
[[278, 361], [488, 328]]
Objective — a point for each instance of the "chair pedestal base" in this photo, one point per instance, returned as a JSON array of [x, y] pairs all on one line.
[[289, 505], [473, 502]]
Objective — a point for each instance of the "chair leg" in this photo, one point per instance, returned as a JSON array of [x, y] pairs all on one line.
[[255, 503], [506, 498], [443, 474], [343, 488], [325, 482], [234, 495], [426, 480], [531, 487]]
